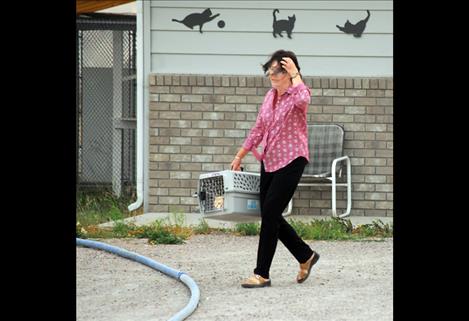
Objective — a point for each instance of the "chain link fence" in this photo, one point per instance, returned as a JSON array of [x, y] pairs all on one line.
[[106, 103]]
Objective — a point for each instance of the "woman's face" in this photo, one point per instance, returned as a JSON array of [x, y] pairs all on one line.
[[278, 76]]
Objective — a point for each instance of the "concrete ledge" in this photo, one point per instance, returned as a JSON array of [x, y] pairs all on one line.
[[194, 219]]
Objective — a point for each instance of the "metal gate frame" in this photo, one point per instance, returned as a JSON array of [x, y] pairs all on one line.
[[115, 131]]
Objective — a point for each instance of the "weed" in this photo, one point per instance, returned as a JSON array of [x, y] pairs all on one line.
[[159, 233], [122, 229], [177, 218], [339, 229], [99, 207], [202, 227], [247, 228]]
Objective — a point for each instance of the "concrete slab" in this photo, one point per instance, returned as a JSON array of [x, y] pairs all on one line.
[[194, 219]]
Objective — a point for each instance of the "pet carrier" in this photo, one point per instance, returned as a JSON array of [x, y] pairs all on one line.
[[229, 195]]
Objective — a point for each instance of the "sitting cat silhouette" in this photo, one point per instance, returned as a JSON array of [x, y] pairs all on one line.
[[356, 29], [283, 25], [197, 19]]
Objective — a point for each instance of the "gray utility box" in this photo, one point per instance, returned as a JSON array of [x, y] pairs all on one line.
[[229, 195]]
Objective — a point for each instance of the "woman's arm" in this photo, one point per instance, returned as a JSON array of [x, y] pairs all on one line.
[[252, 141], [300, 92]]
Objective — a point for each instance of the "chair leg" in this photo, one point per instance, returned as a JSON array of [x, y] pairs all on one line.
[[333, 196], [349, 189]]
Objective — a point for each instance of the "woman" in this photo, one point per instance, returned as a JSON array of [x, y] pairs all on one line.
[[281, 129]]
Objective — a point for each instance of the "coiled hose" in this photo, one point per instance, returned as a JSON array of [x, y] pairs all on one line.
[[181, 276]]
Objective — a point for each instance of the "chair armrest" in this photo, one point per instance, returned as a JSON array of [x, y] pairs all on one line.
[[336, 160]]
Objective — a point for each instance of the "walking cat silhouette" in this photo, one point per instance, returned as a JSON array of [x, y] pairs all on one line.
[[283, 25], [356, 29], [197, 19]]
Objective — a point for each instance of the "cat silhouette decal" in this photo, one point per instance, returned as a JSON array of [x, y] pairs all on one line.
[[198, 19], [283, 25], [355, 29]]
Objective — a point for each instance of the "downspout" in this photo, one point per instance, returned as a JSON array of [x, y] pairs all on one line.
[[139, 125]]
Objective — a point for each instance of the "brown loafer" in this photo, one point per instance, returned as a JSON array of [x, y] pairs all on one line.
[[255, 281], [305, 268]]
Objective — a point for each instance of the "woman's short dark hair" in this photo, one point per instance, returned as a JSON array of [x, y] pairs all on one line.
[[277, 56]]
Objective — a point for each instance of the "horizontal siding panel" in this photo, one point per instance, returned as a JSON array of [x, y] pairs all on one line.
[[310, 4], [170, 42], [249, 65], [248, 20]]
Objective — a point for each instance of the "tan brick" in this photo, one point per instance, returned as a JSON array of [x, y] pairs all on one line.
[[214, 116], [159, 123], [181, 90], [202, 107], [180, 140], [184, 80], [191, 115], [159, 89], [213, 133], [170, 115], [180, 123], [179, 175], [200, 81], [385, 101], [333, 109], [180, 106], [202, 90], [224, 90], [333, 92], [254, 99], [185, 149], [191, 132], [213, 99], [191, 98], [168, 80], [202, 124], [342, 118], [246, 91], [159, 174], [348, 83]]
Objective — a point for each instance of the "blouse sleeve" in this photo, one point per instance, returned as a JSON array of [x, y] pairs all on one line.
[[301, 95], [256, 134]]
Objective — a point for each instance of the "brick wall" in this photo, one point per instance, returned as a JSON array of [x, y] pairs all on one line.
[[198, 123]]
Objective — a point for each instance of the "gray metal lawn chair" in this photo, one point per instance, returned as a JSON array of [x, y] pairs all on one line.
[[326, 163]]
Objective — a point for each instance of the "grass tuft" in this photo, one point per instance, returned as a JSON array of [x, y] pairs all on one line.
[[248, 229]]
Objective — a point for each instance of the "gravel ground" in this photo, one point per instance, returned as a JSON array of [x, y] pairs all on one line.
[[351, 281]]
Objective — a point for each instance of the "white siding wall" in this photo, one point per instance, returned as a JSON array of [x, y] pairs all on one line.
[[246, 41]]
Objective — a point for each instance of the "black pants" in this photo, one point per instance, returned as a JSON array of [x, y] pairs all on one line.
[[276, 190]]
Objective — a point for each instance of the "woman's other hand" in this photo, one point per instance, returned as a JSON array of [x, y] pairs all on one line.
[[236, 164]]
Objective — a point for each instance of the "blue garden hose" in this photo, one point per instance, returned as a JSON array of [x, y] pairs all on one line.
[[181, 276]]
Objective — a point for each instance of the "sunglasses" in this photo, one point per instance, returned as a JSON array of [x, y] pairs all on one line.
[[275, 71]]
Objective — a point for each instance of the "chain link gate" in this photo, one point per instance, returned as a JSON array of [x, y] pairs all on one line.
[[106, 103]]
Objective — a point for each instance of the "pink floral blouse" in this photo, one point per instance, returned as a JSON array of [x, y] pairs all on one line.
[[281, 128]]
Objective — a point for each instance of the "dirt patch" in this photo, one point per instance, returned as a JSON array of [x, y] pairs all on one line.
[[351, 281]]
